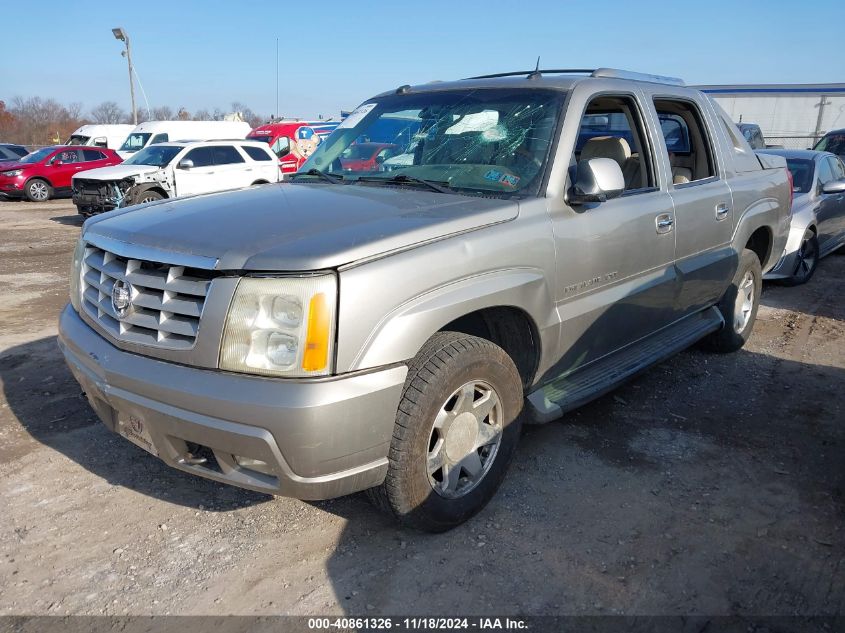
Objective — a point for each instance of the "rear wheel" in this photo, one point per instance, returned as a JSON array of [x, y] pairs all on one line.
[[738, 306], [807, 260], [456, 430], [38, 190]]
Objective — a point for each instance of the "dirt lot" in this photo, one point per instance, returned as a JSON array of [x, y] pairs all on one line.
[[710, 485]]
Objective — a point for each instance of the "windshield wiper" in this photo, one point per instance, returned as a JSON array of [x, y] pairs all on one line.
[[441, 186], [319, 174]]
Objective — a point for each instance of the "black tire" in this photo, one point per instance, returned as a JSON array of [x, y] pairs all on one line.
[[807, 260], [147, 195], [736, 331], [259, 182], [448, 362], [38, 190]]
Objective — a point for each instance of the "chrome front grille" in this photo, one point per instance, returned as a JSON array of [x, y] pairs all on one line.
[[166, 300]]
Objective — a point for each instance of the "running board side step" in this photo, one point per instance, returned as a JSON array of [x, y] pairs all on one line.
[[578, 387]]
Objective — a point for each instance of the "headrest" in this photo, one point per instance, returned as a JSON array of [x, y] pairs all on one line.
[[607, 147]]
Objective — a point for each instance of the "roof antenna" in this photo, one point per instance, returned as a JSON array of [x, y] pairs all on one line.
[[536, 74]]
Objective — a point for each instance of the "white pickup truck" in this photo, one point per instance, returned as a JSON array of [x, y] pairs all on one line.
[[170, 170]]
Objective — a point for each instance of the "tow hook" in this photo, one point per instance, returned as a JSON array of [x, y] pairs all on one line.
[[188, 459]]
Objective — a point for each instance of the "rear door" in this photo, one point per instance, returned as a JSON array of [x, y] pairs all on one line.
[[704, 256], [230, 168]]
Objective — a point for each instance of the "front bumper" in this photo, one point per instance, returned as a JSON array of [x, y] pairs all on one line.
[[321, 438]]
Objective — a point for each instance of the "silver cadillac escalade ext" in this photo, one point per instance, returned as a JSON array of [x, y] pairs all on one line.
[[529, 241]]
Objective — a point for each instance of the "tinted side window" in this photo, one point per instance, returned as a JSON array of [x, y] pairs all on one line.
[[202, 156], [4, 153], [160, 138], [226, 155], [92, 154], [697, 162], [256, 153]]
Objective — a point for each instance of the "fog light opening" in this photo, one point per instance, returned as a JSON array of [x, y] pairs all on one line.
[[257, 465]]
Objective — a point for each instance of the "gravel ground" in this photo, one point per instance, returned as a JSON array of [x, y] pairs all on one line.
[[709, 485]]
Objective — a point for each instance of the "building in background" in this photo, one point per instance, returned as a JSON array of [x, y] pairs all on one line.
[[792, 115]]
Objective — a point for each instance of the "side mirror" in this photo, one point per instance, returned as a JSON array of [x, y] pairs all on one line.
[[185, 163], [596, 180], [834, 186]]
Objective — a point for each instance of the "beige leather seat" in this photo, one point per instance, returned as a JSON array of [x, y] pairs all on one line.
[[616, 148], [680, 175]]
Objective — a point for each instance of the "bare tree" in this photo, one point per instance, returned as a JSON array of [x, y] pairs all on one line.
[[108, 112], [202, 115], [42, 121], [247, 114], [183, 115], [163, 113]]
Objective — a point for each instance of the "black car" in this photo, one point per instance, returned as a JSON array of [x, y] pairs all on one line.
[[10, 152], [833, 142]]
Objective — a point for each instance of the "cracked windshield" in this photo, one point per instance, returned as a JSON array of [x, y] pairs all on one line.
[[480, 141]]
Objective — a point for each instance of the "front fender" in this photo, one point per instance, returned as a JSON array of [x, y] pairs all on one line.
[[402, 333]]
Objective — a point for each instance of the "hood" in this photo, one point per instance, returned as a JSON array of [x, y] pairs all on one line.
[[13, 164], [293, 227], [116, 172]]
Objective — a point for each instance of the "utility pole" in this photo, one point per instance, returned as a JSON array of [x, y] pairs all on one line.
[[277, 79], [123, 36], [820, 105]]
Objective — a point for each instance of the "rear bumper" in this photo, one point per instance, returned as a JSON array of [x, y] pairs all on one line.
[[320, 438]]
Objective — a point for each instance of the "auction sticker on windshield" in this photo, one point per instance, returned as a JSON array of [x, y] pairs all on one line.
[[357, 114], [134, 430]]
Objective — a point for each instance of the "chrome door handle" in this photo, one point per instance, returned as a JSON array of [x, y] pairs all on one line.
[[664, 222], [721, 211]]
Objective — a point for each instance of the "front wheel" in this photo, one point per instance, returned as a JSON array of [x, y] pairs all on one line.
[[37, 190], [150, 195], [738, 306], [456, 430], [807, 260]]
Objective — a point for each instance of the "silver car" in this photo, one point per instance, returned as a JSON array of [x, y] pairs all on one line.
[[818, 213]]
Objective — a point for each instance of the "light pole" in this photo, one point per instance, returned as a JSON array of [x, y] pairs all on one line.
[[123, 36]]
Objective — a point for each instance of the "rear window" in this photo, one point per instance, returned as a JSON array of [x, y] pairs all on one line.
[[256, 153], [802, 174]]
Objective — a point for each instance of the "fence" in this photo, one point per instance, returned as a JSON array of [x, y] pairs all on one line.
[[792, 142]]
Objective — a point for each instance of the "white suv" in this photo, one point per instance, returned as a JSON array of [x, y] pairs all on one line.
[[170, 170]]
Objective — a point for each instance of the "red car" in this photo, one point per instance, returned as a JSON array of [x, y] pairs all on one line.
[[367, 156], [46, 172]]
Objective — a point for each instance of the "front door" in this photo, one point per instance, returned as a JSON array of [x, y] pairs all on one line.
[[199, 178], [615, 260], [830, 214]]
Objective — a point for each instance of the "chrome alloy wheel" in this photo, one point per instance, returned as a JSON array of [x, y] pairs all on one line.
[[38, 191], [744, 302], [465, 439], [147, 198]]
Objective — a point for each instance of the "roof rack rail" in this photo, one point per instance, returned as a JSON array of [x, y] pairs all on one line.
[[615, 73], [607, 73], [559, 71]]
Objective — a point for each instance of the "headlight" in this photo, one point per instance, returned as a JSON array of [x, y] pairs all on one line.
[[76, 274], [11, 172], [281, 326]]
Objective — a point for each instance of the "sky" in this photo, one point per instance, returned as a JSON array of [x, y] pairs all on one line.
[[333, 55]]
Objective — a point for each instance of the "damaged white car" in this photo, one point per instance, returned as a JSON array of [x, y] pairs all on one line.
[[170, 170]]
